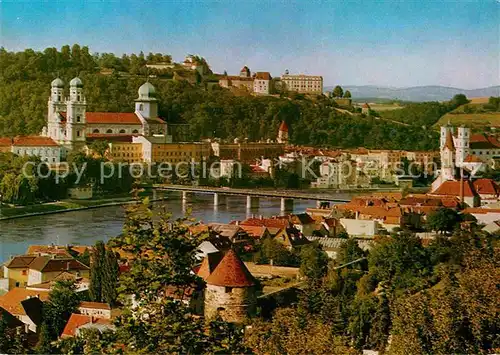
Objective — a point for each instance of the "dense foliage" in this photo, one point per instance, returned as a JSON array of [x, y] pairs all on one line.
[[437, 299], [24, 87]]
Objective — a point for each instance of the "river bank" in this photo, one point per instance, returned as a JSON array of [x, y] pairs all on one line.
[[8, 213]]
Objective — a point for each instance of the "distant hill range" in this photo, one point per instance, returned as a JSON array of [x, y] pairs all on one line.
[[417, 93]]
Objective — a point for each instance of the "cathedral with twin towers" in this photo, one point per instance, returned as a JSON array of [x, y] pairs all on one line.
[[70, 125]]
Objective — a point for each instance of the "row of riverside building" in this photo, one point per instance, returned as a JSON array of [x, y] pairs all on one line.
[[139, 136]]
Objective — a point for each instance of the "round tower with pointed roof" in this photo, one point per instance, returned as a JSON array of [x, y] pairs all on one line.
[[283, 133], [230, 290]]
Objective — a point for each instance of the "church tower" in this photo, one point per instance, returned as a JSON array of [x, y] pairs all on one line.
[[55, 105], [448, 154], [75, 115], [283, 133], [146, 104], [462, 145]]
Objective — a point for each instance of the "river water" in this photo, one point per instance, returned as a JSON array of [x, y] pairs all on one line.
[[88, 226]]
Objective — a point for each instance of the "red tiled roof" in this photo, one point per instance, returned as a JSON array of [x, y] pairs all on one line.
[[263, 75], [254, 231], [114, 118], [257, 169], [5, 142], [20, 261], [94, 305], [34, 141], [208, 265], [49, 264], [48, 249], [449, 141], [483, 141], [283, 127], [479, 210], [452, 188], [11, 301], [365, 105], [486, 187], [472, 159], [266, 222], [231, 272], [77, 320]]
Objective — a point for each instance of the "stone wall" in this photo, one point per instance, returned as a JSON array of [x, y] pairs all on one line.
[[233, 304]]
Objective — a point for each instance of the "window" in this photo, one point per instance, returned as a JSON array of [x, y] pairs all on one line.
[[135, 131], [78, 98], [78, 134], [78, 118], [95, 131], [109, 131], [141, 107], [228, 289], [24, 272], [122, 131]]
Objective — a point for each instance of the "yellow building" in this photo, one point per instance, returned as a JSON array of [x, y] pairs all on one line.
[[125, 152], [25, 270], [16, 270], [179, 152], [248, 152], [304, 84]]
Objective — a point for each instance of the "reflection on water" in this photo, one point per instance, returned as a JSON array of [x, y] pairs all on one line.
[[86, 227]]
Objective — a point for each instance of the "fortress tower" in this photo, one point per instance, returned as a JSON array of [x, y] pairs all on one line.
[[230, 290], [283, 133]]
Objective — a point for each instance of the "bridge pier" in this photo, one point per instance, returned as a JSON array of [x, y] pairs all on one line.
[[286, 205], [318, 204], [184, 196], [216, 199], [252, 202]]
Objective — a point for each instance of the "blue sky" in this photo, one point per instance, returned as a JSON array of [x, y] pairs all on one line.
[[386, 43]]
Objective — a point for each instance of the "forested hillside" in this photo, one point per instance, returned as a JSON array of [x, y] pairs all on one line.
[[25, 81]]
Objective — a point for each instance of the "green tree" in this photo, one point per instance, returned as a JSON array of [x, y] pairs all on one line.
[[347, 94], [443, 220], [338, 92], [12, 340], [313, 262], [96, 271], [458, 100], [100, 147], [63, 301], [165, 255], [350, 251], [104, 272]]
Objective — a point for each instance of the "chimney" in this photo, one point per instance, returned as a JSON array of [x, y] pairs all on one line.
[[67, 266], [462, 185], [26, 328]]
